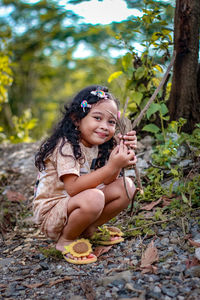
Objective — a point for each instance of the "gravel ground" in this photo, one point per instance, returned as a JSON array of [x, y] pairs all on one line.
[[25, 273]]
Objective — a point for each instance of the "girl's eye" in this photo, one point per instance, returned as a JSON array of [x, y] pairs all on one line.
[[112, 122], [97, 118]]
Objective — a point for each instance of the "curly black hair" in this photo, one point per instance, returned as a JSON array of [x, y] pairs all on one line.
[[66, 130]]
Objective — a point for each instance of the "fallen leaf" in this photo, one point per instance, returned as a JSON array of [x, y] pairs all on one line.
[[151, 205], [164, 199], [148, 258], [150, 269], [101, 249], [15, 196], [192, 262]]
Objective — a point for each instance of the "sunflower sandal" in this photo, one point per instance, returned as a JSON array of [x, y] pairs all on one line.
[[108, 235], [79, 252]]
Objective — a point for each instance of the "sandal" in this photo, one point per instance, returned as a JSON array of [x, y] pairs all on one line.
[[108, 235], [79, 252]]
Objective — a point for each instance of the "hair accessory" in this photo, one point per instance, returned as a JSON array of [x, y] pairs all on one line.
[[100, 94], [85, 104], [118, 114]]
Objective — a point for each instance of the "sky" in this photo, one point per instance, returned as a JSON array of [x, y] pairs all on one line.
[[102, 12], [94, 12], [98, 12]]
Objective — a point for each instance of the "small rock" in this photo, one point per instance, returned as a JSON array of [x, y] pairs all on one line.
[[154, 295], [180, 298], [76, 297], [193, 272], [167, 298], [108, 294], [165, 242], [126, 276], [44, 265], [157, 289], [147, 141], [185, 163], [170, 290], [5, 262], [129, 287], [119, 283], [197, 253], [173, 240]]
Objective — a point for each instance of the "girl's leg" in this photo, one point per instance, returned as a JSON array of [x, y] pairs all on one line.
[[115, 201], [83, 210]]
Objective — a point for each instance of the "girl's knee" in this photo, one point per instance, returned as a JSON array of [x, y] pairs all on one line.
[[130, 187], [94, 201]]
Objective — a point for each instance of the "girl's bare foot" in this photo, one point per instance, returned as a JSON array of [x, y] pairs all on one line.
[[61, 243]]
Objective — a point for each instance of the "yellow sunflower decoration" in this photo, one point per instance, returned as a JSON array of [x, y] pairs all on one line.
[[80, 249]]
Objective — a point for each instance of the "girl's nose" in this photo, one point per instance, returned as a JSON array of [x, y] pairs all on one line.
[[104, 125]]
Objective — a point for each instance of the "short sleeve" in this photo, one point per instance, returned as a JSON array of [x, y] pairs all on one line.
[[66, 163]]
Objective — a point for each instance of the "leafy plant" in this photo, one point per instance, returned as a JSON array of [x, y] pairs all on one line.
[[143, 72], [21, 128], [165, 162]]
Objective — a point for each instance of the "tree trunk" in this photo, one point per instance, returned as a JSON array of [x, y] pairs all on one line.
[[184, 99]]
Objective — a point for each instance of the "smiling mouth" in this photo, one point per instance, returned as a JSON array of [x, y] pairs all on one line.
[[101, 135]]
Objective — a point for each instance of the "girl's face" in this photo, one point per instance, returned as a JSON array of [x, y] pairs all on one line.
[[99, 125]]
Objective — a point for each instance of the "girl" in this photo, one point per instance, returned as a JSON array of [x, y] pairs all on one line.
[[78, 187]]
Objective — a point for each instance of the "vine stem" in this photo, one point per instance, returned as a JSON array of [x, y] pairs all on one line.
[[139, 118]]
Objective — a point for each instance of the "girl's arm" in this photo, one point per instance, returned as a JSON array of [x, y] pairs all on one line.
[[112, 178], [75, 184], [120, 157]]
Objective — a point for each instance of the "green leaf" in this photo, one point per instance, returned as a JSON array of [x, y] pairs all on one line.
[[184, 198], [127, 61], [164, 109], [174, 172], [166, 118], [132, 106], [137, 97], [114, 76], [141, 88], [155, 36], [154, 107], [151, 128], [140, 72]]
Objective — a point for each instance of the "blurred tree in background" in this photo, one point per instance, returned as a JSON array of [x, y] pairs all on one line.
[[44, 37], [185, 93]]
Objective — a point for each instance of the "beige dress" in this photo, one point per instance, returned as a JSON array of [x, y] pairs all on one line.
[[51, 199]]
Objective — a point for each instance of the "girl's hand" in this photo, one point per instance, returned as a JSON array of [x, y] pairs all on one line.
[[121, 157], [130, 139]]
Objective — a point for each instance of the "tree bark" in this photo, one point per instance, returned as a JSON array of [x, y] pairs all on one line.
[[184, 99]]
